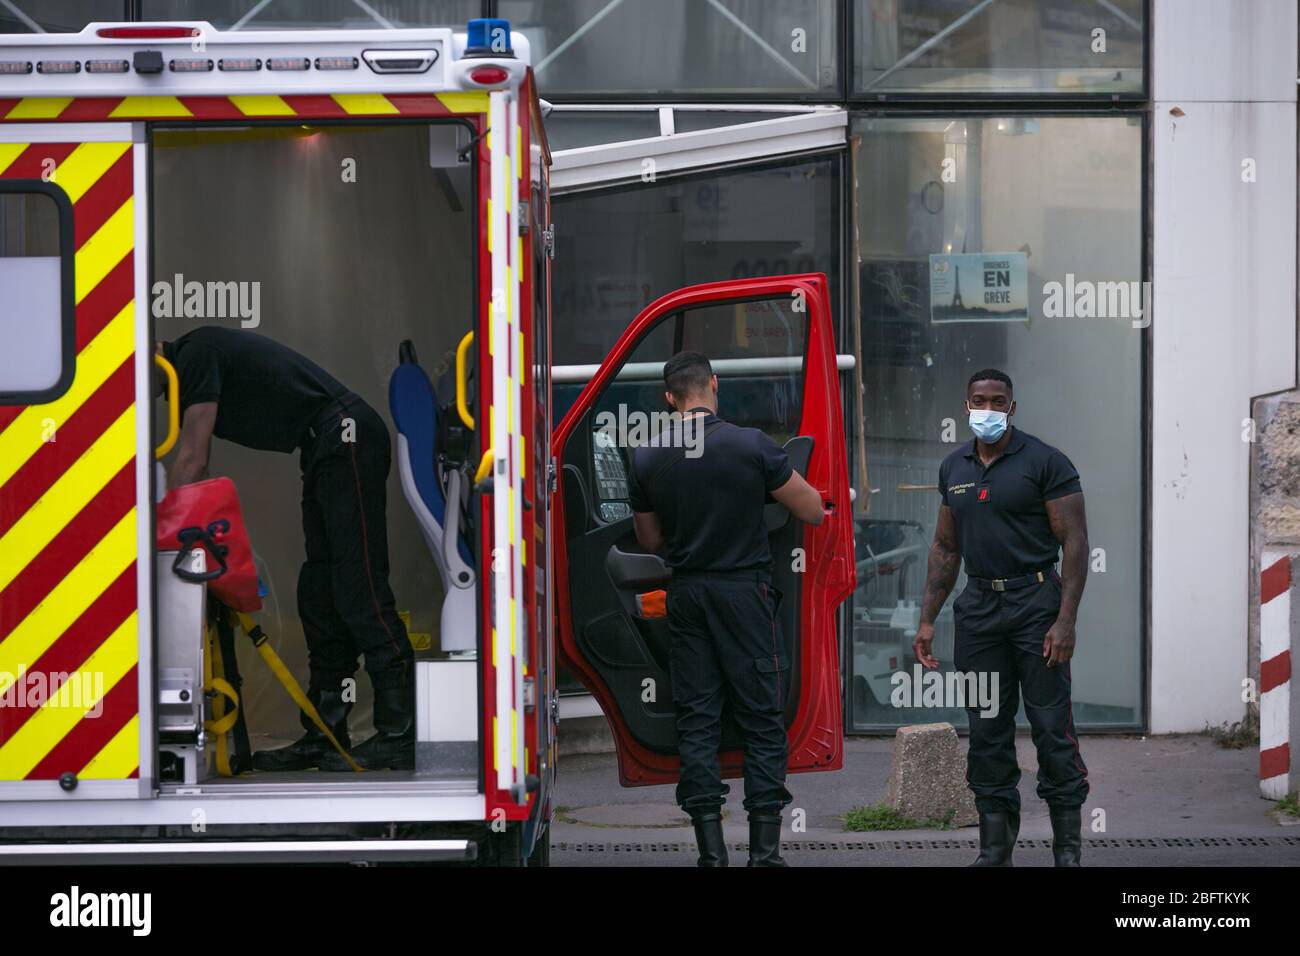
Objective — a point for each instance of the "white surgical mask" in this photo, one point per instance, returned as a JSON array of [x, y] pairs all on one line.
[[987, 424]]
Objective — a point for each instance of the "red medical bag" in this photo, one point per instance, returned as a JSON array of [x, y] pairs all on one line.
[[206, 515]]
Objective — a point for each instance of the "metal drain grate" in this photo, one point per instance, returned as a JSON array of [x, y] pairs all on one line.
[[1139, 843]]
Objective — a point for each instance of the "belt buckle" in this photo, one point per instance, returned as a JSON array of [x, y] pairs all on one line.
[[999, 584]]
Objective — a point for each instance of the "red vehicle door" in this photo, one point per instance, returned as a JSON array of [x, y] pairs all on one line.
[[771, 345]]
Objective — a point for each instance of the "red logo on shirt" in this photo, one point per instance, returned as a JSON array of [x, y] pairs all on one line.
[[984, 494]]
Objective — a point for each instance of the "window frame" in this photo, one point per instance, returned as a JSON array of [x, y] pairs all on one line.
[[1035, 101], [67, 293], [990, 106]]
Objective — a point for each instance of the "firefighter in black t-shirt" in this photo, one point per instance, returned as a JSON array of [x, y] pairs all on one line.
[[255, 392], [697, 493], [1010, 505]]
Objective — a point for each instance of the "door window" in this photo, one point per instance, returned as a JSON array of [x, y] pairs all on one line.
[[36, 323]]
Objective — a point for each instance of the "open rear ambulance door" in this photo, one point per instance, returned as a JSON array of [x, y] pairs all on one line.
[[771, 344], [75, 679]]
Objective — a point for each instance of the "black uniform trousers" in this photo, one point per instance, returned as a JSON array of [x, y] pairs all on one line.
[[344, 599], [1001, 633], [726, 647]]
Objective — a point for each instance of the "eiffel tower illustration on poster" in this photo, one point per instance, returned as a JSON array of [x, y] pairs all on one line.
[[1000, 293]]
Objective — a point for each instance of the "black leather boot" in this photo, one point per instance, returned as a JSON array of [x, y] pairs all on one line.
[[999, 830], [1067, 846], [765, 840], [307, 751], [393, 745], [709, 839]]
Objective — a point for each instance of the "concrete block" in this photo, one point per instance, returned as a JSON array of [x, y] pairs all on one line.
[[927, 775]]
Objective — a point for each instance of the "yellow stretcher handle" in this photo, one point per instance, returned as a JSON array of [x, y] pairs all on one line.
[[484, 467], [173, 407], [462, 407]]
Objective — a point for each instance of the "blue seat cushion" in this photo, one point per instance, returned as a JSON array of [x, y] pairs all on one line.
[[415, 412]]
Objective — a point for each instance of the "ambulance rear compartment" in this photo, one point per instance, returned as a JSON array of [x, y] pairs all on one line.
[[341, 241]]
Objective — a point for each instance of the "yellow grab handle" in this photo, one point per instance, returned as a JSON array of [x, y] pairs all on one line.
[[484, 467], [173, 407], [462, 407]]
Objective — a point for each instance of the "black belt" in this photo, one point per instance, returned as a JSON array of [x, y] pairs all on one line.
[[1011, 584], [757, 575]]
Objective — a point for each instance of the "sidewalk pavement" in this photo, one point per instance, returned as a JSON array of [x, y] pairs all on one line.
[[1176, 800]]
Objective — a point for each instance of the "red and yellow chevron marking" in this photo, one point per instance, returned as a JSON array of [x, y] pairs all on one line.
[[68, 538], [338, 106]]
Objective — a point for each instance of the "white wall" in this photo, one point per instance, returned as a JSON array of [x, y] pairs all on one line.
[[1223, 328]]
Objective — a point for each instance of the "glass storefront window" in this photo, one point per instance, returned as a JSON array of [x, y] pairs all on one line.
[[1049, 200], [628, 49], [1055, 47], [58, 16], [337, 14], [620, 248]]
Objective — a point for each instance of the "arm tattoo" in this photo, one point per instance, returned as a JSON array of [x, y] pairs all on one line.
[[1070, 526], [941, 568]]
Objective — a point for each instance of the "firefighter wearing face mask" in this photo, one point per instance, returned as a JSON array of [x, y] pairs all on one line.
[[1011, 505]]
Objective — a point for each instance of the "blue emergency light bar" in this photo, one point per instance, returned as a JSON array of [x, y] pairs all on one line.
[[483, 32]]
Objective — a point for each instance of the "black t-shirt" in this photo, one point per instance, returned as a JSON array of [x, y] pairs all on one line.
[[267, 395], [710, 505], [1002, 526]]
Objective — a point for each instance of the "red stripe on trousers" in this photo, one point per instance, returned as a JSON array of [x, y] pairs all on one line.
[[91, 734]]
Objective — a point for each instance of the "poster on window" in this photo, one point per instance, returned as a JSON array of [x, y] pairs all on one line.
[[979, 287]]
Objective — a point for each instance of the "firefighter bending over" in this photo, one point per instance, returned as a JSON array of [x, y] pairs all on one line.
[[706, 514], [255, 392]]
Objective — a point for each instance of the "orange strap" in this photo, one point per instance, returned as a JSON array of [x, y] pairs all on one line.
[[652, 604]]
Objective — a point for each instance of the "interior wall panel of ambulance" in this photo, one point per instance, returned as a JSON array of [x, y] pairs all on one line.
[[355, 242]]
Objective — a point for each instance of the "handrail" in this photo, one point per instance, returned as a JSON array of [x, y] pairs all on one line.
[[173, 407], [484, 467], [462, 407]]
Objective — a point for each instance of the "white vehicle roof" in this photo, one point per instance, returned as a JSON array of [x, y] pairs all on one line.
[[205, 61]]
